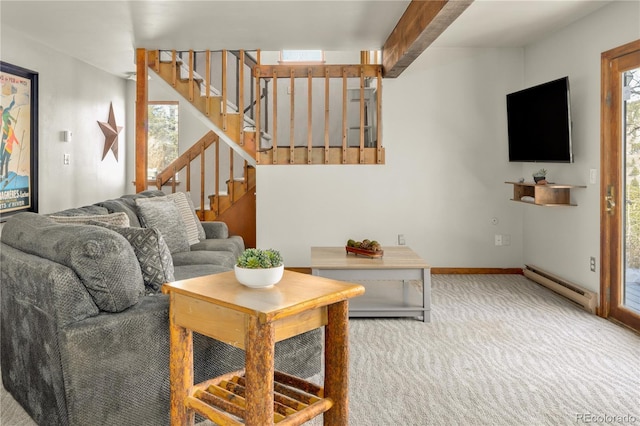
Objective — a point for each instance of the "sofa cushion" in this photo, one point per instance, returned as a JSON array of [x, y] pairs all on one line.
[[215, 229], [102, 259], [164, 216], [116, 219], [222, 258], [192, 271], [124, 205], [82, 211], [195, 231], [233, 244], [152, 253]]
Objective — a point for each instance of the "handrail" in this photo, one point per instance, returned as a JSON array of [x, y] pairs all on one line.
[[184, 161]]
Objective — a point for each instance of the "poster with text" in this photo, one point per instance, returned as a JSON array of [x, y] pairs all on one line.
[[18, 149]]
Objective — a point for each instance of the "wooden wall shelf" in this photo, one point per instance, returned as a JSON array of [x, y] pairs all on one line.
[[551, 194]]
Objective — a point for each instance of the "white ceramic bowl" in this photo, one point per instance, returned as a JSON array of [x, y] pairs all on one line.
[[259, 278]]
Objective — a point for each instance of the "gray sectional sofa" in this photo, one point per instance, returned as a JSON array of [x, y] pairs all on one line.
[[84, 326]]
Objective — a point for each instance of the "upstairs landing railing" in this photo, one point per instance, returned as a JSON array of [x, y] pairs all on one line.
[[359, 84]]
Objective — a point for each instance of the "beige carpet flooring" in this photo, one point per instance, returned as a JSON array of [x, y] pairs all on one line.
[[500, 350]]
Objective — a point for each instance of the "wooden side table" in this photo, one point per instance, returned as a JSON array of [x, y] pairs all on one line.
[[254, 320]]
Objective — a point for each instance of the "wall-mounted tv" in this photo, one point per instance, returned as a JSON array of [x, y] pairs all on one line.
[[539, 123]]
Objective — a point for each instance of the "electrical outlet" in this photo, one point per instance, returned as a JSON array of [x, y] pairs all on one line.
[[498, 239], [592, 264], [66, 159], [401, 240]]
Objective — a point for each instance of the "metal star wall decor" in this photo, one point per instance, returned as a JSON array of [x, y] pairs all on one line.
[[110, 130]]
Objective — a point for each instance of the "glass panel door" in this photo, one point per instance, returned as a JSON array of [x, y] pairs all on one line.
[[620, 185], [630, 293]]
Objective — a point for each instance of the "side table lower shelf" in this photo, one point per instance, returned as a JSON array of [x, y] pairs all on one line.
[[222, 399]]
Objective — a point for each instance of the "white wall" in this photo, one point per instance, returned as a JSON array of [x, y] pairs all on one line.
[[561, 240], [444, 131], [72, 96]]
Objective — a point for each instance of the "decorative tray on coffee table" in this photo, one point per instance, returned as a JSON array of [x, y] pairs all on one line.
[[363, 252]]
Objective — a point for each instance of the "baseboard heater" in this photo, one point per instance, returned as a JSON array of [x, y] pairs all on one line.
[[585, 298]]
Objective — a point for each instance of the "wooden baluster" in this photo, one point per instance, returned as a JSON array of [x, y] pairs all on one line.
[[174, 68], [216, 190], [292, 120], [326, 116], [156, 62], [207, 82], [245, 173], [309, 114], [241, 94], [379, 116], [344, 116], [202, 184], [173, 181], [224, 90], [274, 131], [362, 115], [231, 186], [257, 115], [191, 94], [188, 186]]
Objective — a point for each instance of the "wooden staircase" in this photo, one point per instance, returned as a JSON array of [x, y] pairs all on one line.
[[215, 107], [238, 112], [236, 204]]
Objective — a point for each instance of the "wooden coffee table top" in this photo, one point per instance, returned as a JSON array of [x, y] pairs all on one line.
[[295, 293], [395, 257]]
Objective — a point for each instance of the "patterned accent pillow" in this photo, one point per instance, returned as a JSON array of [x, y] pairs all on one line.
[[188, 215], [164, 216], [152, 252], [201, 234], [116, 219]]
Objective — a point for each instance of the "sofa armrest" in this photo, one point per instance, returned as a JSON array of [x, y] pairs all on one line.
[[37, 297], [215, 229]]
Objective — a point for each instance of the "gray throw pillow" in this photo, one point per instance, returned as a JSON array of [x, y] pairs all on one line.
[[152, 252], [164, 216], [188, 216], [116, 219], [201, 234]]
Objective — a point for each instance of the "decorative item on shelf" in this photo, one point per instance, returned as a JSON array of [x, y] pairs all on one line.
[[257, 268], [540, 177], [365, 247]]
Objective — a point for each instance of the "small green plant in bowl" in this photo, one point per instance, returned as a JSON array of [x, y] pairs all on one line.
[[258, 268], [254, 258]]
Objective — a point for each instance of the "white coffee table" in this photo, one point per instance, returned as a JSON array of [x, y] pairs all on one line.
[[398, 264]]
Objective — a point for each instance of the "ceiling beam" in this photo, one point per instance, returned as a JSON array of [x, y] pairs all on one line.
[[419, 26]]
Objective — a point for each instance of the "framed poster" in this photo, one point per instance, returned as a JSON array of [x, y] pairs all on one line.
[[19, 147]]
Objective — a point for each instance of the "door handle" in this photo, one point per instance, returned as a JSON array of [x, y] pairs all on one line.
[[610, 200]]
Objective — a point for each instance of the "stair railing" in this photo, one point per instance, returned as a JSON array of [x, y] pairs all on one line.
[[169, 175], [197, 150], [335, 149]]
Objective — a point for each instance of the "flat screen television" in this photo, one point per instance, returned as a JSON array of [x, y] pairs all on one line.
[[539, 123]]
